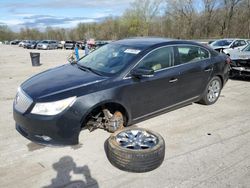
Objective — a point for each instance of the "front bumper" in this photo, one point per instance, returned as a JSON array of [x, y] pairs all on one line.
[[49, 130], [42, 47], [240, 71]]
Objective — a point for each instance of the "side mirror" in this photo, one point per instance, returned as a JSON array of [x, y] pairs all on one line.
[[142, 72]]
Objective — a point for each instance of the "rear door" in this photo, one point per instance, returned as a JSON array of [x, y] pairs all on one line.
[[195, 69]]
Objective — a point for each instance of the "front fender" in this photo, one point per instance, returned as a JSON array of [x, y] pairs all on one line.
[[87, 103]]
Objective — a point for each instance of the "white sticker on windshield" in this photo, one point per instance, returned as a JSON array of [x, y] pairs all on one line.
[[132, 51]]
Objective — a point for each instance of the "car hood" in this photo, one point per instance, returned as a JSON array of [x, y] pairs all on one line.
[[60, 82]]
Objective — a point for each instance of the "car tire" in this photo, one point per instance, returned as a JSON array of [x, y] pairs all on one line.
[[139, 156], [212, 92]]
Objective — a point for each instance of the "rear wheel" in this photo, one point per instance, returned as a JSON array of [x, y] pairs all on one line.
[[212, 92]]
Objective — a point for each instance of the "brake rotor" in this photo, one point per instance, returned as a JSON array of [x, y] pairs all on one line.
[[116, 122]]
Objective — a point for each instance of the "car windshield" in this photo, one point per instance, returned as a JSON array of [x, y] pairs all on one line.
[[247, 49], [45, 41], [222, 43], [109, 59]]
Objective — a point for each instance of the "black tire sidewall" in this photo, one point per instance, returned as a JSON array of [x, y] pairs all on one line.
[[155, 154]]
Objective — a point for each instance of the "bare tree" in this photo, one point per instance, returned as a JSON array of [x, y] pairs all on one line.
[[226, 14], [142, 13], [209, 10], [183, 13]]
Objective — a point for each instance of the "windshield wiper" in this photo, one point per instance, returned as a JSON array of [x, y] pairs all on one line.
[[82, 67]]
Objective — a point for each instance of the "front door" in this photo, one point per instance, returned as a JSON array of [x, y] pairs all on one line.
[[147, 95]]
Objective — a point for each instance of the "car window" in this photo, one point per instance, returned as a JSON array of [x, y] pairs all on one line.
[[247, 49], [158, 59], [190, 54], [239, 43], [242, 43]]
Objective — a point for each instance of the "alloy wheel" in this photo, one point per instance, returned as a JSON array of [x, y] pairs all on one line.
[[213, 91]]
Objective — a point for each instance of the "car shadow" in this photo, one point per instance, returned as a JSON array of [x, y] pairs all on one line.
[[33, 146], [64, 168], [246, 79]]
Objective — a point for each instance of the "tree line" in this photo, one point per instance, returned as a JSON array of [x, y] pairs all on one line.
[[186, 19]]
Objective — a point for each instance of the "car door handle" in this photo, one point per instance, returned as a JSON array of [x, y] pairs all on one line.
[[173, 80]]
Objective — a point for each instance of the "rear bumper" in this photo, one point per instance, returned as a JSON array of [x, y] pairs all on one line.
[[61, 130]]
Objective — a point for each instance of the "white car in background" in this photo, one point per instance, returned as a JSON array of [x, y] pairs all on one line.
[[222, 44], [240, 64], [23, 42], [241, 54]]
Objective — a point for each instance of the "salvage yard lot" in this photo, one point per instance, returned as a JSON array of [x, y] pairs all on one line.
[[206, 146]]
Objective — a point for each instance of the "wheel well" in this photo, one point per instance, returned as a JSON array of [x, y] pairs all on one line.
[[221, 79], [110, 106]]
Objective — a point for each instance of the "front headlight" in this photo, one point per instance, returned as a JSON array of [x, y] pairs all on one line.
[[53, 108]]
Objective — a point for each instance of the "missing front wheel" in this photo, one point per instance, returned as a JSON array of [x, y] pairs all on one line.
[[107, 121]]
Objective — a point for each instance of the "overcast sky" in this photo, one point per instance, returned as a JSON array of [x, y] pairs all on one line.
[[57, 13]]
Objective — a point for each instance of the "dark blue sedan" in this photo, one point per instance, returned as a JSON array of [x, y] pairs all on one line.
[[117, 85]]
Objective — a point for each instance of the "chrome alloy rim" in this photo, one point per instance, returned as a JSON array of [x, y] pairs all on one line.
[[136, 139], [213, 91]]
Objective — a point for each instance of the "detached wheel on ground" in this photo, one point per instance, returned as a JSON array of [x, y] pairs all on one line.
[[135, 149], [212, 92]]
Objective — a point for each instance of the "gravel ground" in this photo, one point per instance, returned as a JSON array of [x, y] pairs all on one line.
[[206, 146]]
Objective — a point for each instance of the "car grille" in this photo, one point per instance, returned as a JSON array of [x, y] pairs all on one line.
[[22, 101]]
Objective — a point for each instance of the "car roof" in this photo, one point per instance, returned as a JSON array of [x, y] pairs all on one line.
[[143, 41], [147, 42]]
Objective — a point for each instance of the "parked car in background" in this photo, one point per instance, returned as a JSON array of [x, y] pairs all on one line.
[[80, 44], [22, 43], [47, 45], [60, 44], [240, 65], [69, 44], [119, 84], [210, 42], [27, 43], [32, 44], [100, 43], [220, 45], [15, 42]]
